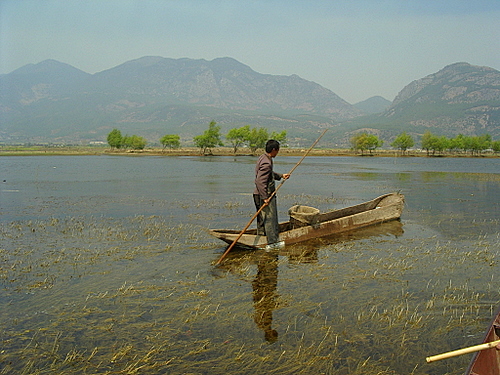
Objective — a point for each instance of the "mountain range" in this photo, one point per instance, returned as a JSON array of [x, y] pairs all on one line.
[[152, 96], [459, 99]]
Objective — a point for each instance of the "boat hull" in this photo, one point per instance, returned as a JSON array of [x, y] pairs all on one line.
[[382, 209], [487, 362]]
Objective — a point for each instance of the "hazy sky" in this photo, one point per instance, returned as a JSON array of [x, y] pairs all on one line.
[[356, 48]]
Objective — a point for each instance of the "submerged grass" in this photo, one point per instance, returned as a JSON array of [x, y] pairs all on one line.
[[138, 295]]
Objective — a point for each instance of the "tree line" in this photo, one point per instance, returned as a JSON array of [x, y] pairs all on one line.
[[431, 143], [116, 140], [461, 143], [253, 138]]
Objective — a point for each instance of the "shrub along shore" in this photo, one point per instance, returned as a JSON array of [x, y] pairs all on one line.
[[9, 150]]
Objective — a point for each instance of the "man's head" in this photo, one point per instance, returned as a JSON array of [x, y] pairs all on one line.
[[272, 147]]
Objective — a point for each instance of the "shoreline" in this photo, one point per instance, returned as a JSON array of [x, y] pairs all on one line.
[[218, 151]]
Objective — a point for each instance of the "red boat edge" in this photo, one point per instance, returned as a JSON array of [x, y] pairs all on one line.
[[487, 362]]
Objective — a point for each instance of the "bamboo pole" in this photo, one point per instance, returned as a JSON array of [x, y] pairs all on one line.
[[470, 349], [270, 197]]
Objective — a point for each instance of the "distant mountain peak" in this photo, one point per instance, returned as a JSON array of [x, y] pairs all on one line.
[[157, 93], [153, 95], [46, 66], [145, 61], [375, 104], [464, 67], [456, 82], [228, 63], [459, 99]]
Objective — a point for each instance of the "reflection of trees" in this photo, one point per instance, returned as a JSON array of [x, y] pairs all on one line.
[[264, 294]]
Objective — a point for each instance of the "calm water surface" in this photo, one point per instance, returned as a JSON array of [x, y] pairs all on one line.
[[107, 267]]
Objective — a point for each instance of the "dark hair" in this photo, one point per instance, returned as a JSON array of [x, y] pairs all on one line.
[[272, 145]]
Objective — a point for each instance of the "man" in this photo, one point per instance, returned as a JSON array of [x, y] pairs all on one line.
[[267, 220]]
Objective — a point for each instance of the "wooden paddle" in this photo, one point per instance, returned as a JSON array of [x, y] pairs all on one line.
[[470, 349], [270, 197]]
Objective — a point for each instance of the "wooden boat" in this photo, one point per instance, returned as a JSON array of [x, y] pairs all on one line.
[[487, 362], [384, 208]]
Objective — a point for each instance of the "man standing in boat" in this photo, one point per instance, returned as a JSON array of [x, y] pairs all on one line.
[[267, 220]]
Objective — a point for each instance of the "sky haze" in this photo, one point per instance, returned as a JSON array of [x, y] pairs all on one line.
[[357, 48]]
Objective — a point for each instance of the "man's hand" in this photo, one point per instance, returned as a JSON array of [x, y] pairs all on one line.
[[286, 176]]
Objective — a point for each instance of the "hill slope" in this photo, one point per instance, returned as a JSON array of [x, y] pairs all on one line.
[[153, 96], [459, 99]]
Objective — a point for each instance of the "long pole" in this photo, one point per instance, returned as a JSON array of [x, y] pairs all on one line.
[[470, 349], [270, 197]]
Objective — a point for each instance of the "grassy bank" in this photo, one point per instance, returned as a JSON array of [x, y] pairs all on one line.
[[219, 151]]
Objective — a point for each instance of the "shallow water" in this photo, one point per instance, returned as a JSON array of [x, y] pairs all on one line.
[[107, 267]]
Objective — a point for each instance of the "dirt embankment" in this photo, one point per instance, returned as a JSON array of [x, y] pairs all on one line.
[[219, 151]]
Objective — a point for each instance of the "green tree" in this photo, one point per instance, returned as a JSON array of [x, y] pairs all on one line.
[[280, 137], [257, 138], [115, 138], [364, 141], [457, 143], [477, 144], [171, 141], [431, 142], [126, 141], [134, 142], [238, 136], [440, 144], [495, 146], [373, 142], [427, 141], [403, 142], [137, 143], [209, 139], [356, 141], [468, 144], [483, 143]]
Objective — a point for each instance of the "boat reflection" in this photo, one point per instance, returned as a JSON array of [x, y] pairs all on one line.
[[265, 282], [306, 252]]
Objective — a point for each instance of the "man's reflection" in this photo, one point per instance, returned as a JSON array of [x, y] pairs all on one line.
[[264, 294], [265, 283]]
